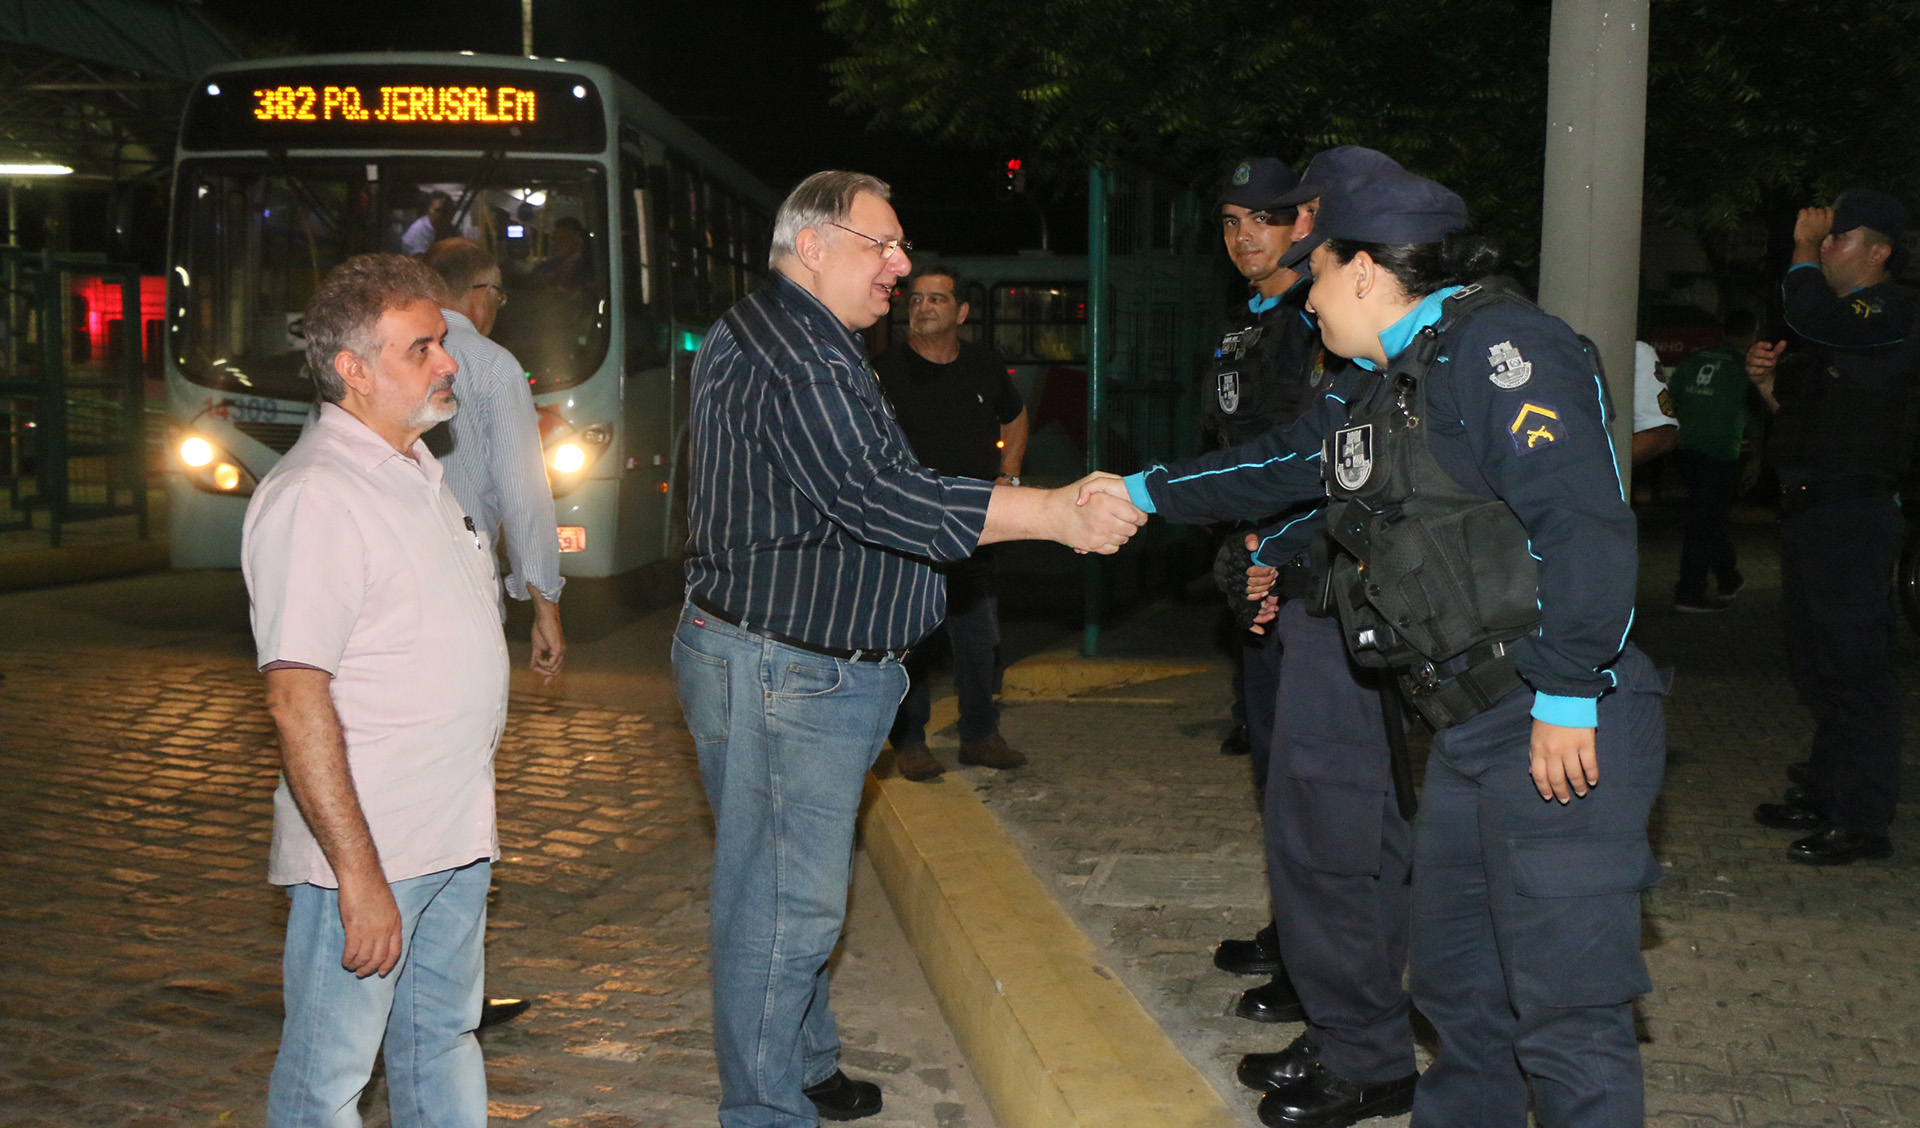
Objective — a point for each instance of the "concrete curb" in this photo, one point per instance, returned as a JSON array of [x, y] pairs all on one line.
[[1054, 1038], [50, 567]]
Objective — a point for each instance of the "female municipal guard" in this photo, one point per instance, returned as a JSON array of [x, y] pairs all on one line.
[[1484, 549]]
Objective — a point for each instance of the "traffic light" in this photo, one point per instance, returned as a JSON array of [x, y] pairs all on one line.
[[1013, 180]]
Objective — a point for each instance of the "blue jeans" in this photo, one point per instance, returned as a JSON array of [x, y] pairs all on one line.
[[972, 628], [785, 738], [427, 1009]]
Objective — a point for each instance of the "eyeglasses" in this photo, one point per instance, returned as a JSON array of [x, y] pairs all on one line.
[[499, 295], [887, 246]]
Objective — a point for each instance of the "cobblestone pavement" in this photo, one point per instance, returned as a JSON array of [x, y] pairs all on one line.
[[140, 984], [1783, 995]]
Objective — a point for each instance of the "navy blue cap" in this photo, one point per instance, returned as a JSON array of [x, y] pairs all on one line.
[[1392, 208], [1255, 183], [1864, 207], [1335, 167]]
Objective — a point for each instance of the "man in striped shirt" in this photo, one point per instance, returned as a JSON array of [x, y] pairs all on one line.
[[812, 535], [491, 450]]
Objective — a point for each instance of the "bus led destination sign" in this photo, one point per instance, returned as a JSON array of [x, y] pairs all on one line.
[[401, 106], [461, 105]]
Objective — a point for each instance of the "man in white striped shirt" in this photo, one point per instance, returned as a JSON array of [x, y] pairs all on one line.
[[494, 465]]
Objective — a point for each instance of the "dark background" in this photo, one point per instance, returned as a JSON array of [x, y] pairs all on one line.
[[749, 75]]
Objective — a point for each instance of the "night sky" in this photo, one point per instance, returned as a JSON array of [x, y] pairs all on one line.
[[750, 75]]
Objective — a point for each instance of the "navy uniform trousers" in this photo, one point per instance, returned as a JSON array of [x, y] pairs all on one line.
[[1526, 918], [1835, 564], [1338, 853]]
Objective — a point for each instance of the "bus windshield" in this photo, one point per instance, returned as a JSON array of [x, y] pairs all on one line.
[[256, 237]]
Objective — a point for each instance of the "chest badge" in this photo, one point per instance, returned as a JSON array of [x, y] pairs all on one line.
[[1510, 369], [1226, 386], [1353, 456]]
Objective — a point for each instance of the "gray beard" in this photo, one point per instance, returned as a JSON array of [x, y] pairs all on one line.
[[428, 413]]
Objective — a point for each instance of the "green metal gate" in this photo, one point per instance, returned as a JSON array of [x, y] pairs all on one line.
[[1152, 296], [72, 393]]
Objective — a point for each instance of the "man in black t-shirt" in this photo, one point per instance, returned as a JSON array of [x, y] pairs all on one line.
[[964, 419]]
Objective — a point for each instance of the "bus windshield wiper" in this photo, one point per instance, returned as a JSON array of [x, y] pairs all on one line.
[[278, 159]]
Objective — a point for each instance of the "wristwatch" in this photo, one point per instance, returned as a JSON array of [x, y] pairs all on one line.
[[1012, 480]]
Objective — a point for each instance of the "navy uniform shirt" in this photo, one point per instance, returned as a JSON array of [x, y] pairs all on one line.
[[1516, 413], [808, 513], [1846, 395]]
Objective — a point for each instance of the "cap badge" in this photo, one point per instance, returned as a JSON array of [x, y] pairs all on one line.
[[1242, 175]]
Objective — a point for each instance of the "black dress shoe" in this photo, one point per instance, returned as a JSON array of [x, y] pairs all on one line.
[[1270, 1073], [1790, 816], [1258, 956], [1271, 1002], [1324, 1099], [1800, 772], [1237, 743], [493, 1012], [842, 1098], [1836, 847]]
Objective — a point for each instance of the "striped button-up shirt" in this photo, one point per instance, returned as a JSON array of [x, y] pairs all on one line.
[[808, 514], [495, 466]]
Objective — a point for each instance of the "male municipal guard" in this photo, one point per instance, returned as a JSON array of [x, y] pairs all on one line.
[[1843, 406]]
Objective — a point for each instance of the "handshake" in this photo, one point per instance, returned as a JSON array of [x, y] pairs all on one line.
[[1093, 514]]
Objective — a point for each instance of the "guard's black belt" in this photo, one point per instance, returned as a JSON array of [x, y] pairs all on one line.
[[1800, 498], [1462, 687], [703, 603]]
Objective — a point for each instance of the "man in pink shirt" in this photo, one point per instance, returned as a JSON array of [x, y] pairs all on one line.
[[374, 615]]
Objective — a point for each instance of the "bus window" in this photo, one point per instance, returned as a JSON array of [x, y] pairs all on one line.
[[257, 243], [548, 231], [1044, 322]]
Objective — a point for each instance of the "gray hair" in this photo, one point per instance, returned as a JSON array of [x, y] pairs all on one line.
[[348, 305], [818, 201], [460, 263]]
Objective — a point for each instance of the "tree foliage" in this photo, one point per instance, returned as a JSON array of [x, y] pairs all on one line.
[[1749, 101]]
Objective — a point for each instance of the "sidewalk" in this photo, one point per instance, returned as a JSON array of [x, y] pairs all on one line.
[[1783, 994]]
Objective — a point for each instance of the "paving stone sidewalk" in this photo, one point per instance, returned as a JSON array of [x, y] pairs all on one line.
[[1783, 995], [140, 982]]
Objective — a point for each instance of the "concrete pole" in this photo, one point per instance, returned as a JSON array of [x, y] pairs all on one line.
[[1596, 154], [526, 28]]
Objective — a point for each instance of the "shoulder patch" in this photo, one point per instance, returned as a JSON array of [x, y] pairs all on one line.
[[1510, 369], [1536, 427]]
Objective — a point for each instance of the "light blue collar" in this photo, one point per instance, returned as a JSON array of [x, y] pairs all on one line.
[[1259, 304], [1401, 333]]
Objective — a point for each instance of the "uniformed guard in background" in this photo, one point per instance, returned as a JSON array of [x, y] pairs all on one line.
[[1841, 442], [1487, 559]]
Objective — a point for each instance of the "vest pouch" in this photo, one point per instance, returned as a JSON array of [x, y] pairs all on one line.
[[1371, 642], [1448, 581]]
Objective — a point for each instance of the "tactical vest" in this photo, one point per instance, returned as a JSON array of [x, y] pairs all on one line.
[[1434, 579], [1259, 374]]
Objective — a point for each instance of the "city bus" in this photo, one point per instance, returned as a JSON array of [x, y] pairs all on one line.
[[621, 234]]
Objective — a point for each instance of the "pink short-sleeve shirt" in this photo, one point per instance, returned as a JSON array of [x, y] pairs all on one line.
[[359, 562]]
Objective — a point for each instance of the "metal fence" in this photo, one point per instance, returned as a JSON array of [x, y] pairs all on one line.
[[1152, 292], [72, 392]]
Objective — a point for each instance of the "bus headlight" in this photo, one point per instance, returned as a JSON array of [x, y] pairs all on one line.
[[214, 470], [569, 453]]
